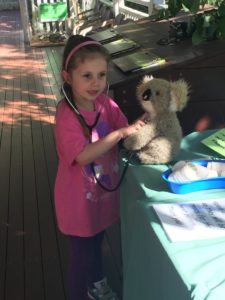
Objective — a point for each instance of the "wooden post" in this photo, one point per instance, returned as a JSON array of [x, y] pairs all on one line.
[[25, 20], [75, 7]]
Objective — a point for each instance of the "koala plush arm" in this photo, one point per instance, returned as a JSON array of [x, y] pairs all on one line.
[[141, 138]]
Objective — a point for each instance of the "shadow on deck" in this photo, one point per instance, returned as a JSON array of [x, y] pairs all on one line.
[[33, 254]]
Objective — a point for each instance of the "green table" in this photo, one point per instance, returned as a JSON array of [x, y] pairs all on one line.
[[153, 267]]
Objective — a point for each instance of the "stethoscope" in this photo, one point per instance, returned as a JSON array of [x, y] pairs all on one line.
[[79, 115], [83, 122]]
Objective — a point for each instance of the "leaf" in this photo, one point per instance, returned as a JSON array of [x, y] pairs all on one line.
[[212, 31], [221, 10], [195, 6], [187, 4], [163, 14], [190, 28], [212, 2], [204, 26], [191, 5], [221, 28], [197, 38], [199, 21], [207, 20], [174, 6]]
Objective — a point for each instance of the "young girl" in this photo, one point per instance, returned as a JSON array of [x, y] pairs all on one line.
[[89, 126]]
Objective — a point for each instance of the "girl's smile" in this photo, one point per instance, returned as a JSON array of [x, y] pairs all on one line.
[[93, 92]]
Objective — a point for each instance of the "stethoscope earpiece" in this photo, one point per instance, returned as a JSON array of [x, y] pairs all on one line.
[[107, 88], [69, 101]]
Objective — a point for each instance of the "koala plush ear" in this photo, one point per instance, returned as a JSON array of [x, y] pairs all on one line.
[[141, 86], [178, 94], [147, 79]]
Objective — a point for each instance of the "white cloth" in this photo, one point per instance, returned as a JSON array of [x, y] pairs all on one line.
[[185, 171]]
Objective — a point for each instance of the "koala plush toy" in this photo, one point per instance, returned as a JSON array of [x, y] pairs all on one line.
[[158, 141]]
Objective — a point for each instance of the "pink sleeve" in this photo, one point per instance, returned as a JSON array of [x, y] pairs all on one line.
[[70, 140]]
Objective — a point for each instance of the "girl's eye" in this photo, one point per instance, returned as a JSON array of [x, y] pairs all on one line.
[[102, 75], [87, 76], [157, 93]]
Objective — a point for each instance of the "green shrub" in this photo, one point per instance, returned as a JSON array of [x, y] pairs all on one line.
[[202, 26]]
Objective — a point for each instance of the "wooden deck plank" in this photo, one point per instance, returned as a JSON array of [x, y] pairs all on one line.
[[4, 163], [54, 288], [15, 249], [4, 191], [5, 154], [14, 273], [34, 284], [49, 87], [53, 59]]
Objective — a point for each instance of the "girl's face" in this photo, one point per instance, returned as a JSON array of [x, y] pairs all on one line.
[[88, 80]]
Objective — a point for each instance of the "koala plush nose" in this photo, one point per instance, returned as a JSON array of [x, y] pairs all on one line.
[[147, 95]]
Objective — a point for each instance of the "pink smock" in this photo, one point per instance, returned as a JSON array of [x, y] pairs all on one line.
[[82, 207]]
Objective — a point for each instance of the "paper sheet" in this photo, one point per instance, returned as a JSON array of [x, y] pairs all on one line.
[[193, 220], [216, 141]]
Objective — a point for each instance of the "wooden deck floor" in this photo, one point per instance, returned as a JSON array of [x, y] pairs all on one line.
[[33, 254]]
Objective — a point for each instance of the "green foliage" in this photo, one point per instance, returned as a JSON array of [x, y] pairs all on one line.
[[203, 26]]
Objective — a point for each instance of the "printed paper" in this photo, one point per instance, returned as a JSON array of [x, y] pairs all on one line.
[[193, 220]]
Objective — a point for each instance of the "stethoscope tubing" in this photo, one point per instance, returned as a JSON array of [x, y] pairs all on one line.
[[73, 106], [90, 127]]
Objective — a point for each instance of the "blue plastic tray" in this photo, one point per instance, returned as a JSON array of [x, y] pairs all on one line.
[[197, 185]]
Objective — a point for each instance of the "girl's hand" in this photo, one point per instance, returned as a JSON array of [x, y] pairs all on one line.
[[133, 128], [98, 148]]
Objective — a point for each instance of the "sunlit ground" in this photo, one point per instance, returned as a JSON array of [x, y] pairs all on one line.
[[25, 87]]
